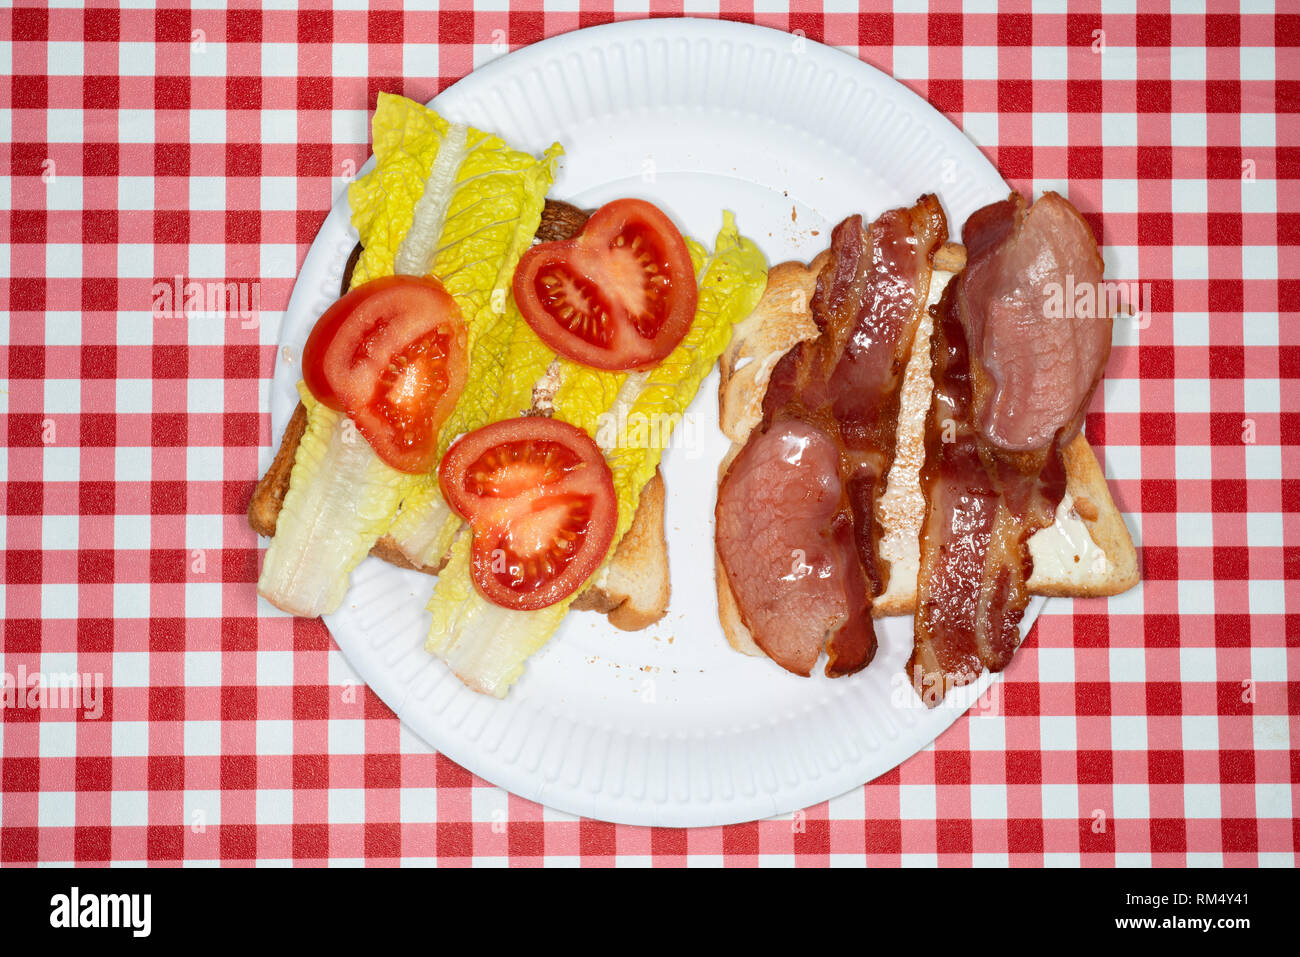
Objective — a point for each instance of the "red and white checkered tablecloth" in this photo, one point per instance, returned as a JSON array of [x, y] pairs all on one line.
[[137, 146]]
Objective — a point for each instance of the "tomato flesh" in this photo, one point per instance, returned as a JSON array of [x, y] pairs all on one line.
[[401, 396], [539, 499], [539, 544], [620, 296], [575, 303], [391, 354]]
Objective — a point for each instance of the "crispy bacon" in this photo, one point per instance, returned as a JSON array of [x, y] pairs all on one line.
[[993, 474], [839, 391]]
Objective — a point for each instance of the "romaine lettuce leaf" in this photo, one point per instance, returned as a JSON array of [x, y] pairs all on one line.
[[731, 282], [447, 200], [484, 644], [339, 501], [506, 363], [632, 417]]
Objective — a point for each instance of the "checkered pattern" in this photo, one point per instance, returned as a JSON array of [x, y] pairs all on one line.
[[1158, 727]]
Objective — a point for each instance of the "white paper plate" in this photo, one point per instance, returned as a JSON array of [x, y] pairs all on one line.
[[669, 726]]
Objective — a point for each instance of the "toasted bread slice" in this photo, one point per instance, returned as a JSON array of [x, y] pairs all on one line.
[[268, 497], [1087, 553], [1091, 504], [633, 591], [780, 320]]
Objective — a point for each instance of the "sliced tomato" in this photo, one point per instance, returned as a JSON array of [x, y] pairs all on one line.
[[539, 499], [621, 295], [391, 354]]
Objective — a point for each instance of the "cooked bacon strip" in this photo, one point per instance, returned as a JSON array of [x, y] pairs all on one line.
[[993, 474], [1037, 355], [788, 547], [837, 393]]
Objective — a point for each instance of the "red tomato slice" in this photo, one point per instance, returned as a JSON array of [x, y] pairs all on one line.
[[539, 498], [621, 295], [391, 354]]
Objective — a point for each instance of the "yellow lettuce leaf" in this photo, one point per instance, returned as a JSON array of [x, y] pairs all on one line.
[[487, 646], [446, 200]]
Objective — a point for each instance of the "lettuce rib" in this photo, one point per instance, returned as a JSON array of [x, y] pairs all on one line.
[[339, 500]]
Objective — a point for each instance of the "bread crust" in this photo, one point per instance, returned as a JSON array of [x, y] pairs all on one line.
[[781, 319], [733, 625], [268, 497]]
